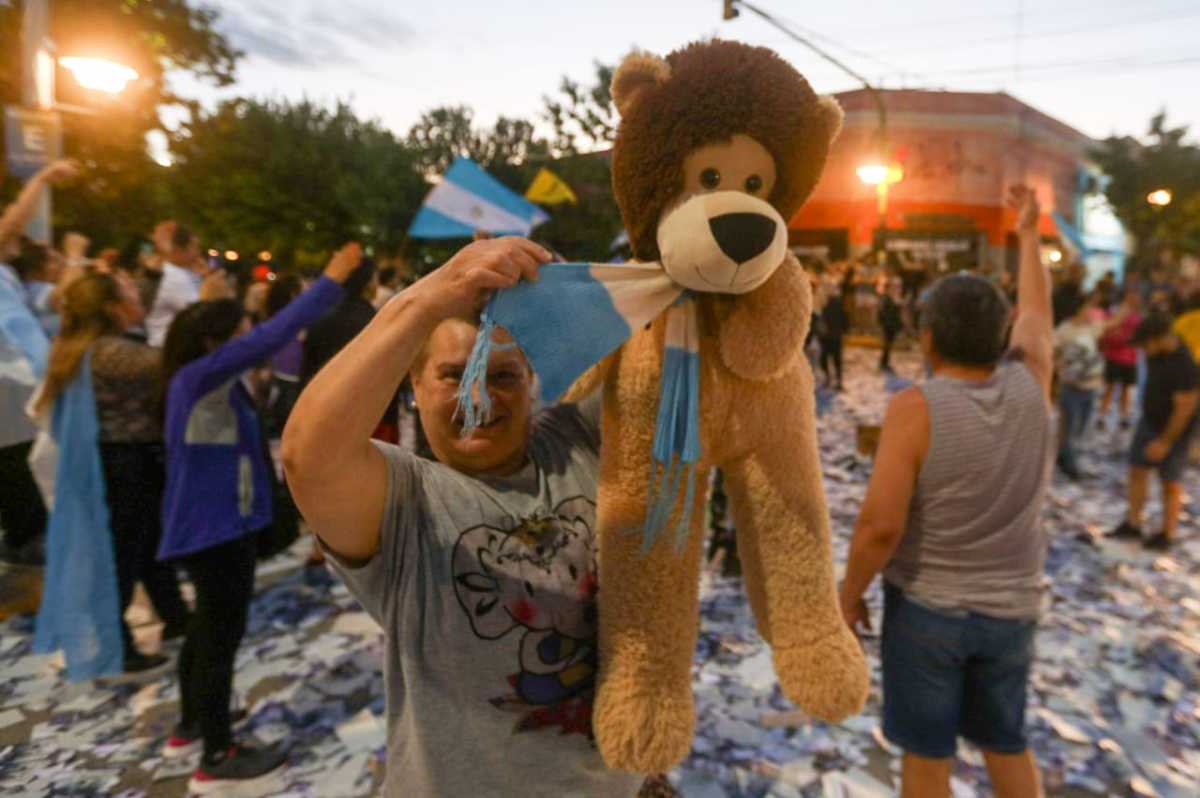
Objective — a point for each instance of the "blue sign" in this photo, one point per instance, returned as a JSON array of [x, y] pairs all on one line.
[[32, 139]]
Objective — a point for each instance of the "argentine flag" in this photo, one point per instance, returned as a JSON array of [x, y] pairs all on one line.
[[469, 199]]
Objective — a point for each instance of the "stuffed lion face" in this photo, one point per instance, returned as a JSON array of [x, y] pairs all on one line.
[[722, 235], [719, 144]]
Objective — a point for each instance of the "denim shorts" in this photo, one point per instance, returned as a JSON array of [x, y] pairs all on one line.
[[1171, 467], [947, 675]]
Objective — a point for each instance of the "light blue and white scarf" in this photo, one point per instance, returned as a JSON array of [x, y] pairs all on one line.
[[571, 318]]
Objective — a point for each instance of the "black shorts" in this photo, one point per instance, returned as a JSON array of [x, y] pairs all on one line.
[[1116, 372]]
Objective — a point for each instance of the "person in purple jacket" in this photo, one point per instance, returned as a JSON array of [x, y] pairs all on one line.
[[218, 494]]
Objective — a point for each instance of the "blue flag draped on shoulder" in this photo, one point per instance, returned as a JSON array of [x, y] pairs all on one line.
[[80, 611], [469, 199]]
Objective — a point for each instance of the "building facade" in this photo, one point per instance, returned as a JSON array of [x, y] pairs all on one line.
[[958, 153]]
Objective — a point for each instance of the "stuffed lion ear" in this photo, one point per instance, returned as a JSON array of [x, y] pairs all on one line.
[[829, 111], [638, 72]]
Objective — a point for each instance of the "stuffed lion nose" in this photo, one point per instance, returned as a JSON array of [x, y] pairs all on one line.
[[742, 236]]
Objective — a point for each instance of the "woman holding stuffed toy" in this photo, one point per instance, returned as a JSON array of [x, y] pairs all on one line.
[[391, 520]]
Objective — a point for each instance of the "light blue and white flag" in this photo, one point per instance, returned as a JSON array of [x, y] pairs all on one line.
[[80, 612], [469, 199], [570, 319]]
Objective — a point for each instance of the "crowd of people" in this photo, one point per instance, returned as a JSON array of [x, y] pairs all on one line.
[[156, 373], [1141, 339]]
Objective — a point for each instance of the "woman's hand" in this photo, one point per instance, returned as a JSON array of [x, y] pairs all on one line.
[[344, 262]]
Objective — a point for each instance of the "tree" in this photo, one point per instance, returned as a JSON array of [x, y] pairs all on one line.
[[443, 134], [296, 179], [120, 195], [1166, 159], [583, 119]]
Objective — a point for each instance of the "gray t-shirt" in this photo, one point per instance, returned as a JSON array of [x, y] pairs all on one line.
[[486, 591]]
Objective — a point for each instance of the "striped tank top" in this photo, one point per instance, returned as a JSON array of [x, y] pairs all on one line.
[[975, 540]]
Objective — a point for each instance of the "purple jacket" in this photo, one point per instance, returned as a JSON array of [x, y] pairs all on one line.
[[218, 488]]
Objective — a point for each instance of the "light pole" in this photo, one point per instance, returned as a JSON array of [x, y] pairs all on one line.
[[37, 91], [881, 176]]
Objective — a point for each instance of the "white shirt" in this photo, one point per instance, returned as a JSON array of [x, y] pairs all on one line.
[[179, 288], [17, 379], [382, 295], [1077, 359]]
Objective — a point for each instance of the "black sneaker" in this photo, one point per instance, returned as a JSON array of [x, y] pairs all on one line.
[[238, 768], [1126, 531], [138, 662], [1159, 542], [185, 741]]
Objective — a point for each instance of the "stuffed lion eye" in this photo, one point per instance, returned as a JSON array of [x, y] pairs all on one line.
[[710, 178], [754, 184]]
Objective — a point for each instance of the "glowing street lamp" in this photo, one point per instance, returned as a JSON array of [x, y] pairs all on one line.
[[872, 174], [881, 176], [37, 88], [1160, 197], [99, 74]]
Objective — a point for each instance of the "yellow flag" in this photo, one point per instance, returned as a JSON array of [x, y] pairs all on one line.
[[549, 189]]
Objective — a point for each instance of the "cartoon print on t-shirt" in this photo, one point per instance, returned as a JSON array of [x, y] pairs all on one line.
[[539, 577]]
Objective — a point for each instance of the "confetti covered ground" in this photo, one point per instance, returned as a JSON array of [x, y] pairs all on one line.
[[1114, 709]]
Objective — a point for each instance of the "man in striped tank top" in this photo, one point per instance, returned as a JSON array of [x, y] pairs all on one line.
[[952, 520]]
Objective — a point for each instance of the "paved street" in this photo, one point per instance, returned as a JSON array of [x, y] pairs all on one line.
[[1114, 709]]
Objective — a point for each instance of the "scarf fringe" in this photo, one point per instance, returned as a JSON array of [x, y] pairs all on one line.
[[474, 379], [677, 429]]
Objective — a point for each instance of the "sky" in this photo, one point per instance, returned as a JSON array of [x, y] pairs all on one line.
[[1101, 66]]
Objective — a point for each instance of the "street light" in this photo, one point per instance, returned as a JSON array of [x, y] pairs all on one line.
[[99, 74], [881, 176], [872, 174], [38, 96], [1160, 197]]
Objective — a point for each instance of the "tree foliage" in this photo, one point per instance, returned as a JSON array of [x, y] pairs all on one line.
[[1136, 167], [584, 119], [443, 134], [293, 178]]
